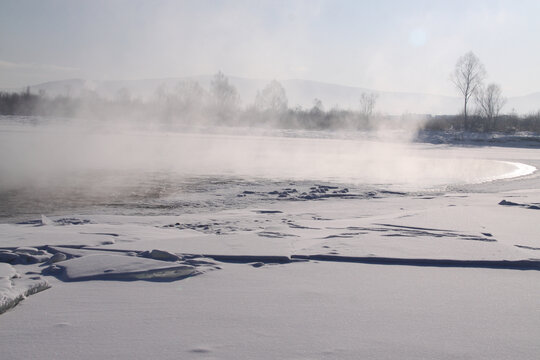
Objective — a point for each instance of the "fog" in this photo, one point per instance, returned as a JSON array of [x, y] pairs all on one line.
[[98, 134], [49, 156], [235, 178], [90, 150], [387, 45]]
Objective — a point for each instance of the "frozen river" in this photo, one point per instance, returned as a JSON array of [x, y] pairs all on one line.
[[294, 244], [58, 168]]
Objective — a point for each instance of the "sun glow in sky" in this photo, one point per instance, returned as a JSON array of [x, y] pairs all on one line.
[[388, 45]]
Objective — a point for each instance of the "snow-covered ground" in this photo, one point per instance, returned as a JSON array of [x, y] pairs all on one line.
[[297, 267]]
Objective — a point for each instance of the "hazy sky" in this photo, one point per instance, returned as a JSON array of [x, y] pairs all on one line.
[[407, 45]]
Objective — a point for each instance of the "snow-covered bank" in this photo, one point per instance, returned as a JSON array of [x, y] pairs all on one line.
[[523, 139], [301, 311], [15, 288], [288, 268], [520, 170], [263, 307], [65, 170], [116, 267]]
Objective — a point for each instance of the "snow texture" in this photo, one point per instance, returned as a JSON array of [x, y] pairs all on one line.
[[118, 267], [306, 270], [14, 288]]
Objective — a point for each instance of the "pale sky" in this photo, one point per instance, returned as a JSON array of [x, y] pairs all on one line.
[[409, 46]]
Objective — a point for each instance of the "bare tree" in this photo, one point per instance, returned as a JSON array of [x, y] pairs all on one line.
[[161, 94], [468, 76], [123, 95], [224, 96], [367, 105], [490, 102], [188, 102], [190, 95], [318, 106], [272, 98]]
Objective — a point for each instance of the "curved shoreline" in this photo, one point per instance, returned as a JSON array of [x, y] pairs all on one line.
[[521, 170]]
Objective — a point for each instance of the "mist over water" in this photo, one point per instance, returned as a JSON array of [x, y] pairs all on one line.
[[62, 167]]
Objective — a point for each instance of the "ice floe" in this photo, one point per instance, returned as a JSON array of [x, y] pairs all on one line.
[[14, 287], [119, 267]]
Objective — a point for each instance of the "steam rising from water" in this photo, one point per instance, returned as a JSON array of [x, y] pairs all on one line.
[[77, 169], [56, 156]]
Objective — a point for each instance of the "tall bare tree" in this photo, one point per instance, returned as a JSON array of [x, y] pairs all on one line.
[[225, 98], [490, 102], [189, 95], [272, 98], [468, 77], [367, 105]]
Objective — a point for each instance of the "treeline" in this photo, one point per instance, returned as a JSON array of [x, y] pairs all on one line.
[[89, 104], [19, 103], [189, 104], [508, 124]]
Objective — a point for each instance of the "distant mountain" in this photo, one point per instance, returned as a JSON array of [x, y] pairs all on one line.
[[303, 92], [523, 104], [299, 92]]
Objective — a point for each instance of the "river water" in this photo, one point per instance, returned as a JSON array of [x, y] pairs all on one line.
[[62, 168]]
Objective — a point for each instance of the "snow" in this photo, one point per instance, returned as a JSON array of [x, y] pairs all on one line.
[[446, 272], [117, 267], [302, 310], [14, 287], [520, 170]]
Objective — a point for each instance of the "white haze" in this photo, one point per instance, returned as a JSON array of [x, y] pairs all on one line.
[[47, 156], [299, 93], [385, 45]]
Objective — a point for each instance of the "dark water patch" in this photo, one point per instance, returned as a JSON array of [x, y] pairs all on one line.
[[246, 259], [342, 236], [376, 260], [294, 225], [391, 230], [60, 222], [274, 234], [527, 247], [101, 233], [138, 193], [412, 227], [486, 264], [532, 206], [215, 227]]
